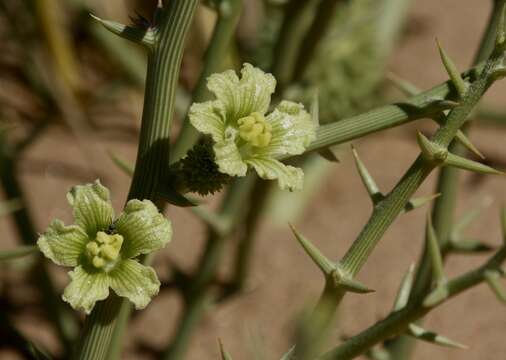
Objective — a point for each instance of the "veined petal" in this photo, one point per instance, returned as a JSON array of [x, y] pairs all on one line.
[[86, 288], [292, 130], [228, 158], [91, 206], [208, 118], [252, 93], [63, 244], [135, 281], [143, 227], [288, 177]]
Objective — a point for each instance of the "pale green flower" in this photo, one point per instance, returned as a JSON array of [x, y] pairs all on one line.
[[103, 251], [244, 135]]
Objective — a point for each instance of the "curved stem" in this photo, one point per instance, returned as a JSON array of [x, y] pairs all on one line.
[[153, 153]]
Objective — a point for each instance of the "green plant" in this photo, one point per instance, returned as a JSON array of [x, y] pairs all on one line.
[[234, 143]]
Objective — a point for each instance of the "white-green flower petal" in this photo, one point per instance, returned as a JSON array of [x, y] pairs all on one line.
[[137, 282], [208, 118], [292, 130], [229, 159], [252, 93], [288, 177], [86, 288], [63, 244], [92, 208], [143, 227]]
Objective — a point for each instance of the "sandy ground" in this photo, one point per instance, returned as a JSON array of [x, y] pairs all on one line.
[[283, 280]]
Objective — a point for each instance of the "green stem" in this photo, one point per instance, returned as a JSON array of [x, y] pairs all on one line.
[[397, 322], [288, 42], [386, 117], [444, 206], [215, 53], [18, 252], [314, 330], [57, 311], [386, 211], [258, 198], [322, 20], [192, 314], [153, 153], [199, 293]]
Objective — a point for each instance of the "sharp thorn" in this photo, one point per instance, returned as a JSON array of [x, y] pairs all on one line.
[[425, 335], [325, 265], [405, 289]]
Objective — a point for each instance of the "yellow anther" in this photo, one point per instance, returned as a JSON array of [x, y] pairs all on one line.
[[104, 250], [102, 237], [264, 139], [109, 252], [255, 130], [116, 240], [93, 248], [98, 262]]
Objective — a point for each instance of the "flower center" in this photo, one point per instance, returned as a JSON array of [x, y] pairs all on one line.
[[255, 130], [104, 250]]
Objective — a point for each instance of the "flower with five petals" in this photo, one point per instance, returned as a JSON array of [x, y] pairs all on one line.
[[103, 252], [245, 135]]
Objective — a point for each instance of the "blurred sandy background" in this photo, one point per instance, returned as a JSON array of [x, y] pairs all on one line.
[[283, 280]]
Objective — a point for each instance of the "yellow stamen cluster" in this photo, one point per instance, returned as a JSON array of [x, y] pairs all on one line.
[[255, 130], [105, 249]]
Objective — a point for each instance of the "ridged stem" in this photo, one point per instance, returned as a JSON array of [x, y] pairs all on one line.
[[386, 117], [388, 209], [443, 212], [153, 153], [397, 321]]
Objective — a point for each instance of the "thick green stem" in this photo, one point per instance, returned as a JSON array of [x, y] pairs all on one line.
[[402, 347], [153, 153], [215, 53]]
